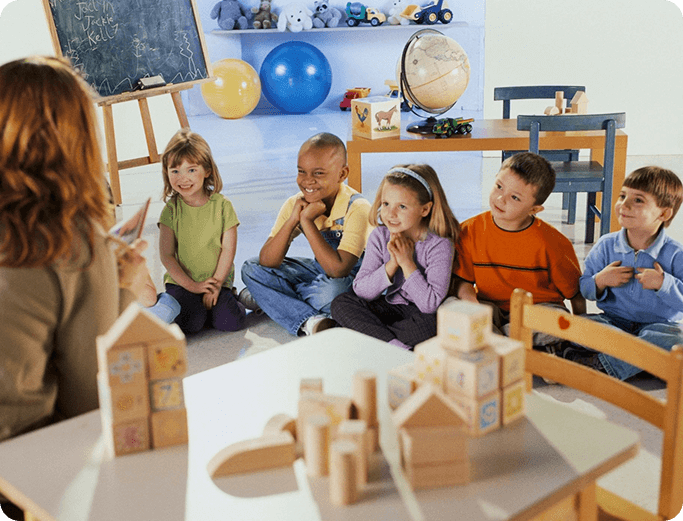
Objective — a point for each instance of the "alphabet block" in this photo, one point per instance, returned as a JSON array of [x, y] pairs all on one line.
[[166, 394], [401, 382], [167, 360], [464, 326], [126, 366], [169, 428], [473, 374], [514, 402], [430, 363], [482, 415], [128, 402], [132, 436], [511, 358]]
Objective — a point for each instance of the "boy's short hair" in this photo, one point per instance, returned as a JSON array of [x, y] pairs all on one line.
[[534, 170], [326, 140], [661, 183]]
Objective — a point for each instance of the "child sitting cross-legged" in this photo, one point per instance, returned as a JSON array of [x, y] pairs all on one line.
[[509, 247], [296, 292], [635, 275], [406, 271]]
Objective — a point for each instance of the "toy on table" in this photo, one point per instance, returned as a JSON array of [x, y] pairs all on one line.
[[230, 14], [376, 117], [446, 127], [466, 381], [355, 93], [296, 17], [394, 92], [397, 7], [579, 104], [325, 15], [428, 14], [141, 362], [335, 434], [357, 12], [264, 18]]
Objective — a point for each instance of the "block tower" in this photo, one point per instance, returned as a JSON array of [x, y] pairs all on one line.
[[141, 363]]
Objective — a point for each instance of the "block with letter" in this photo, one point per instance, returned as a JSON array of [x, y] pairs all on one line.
[[166, 394], [401, 383], [513, 402], [430, 363], [463, 325], [376, 117], [481, 414], [511, 358], [473, 374]]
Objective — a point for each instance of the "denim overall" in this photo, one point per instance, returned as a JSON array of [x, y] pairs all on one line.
[[299, 288]]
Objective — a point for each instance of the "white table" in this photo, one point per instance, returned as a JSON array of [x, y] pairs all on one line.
[[60, 472]]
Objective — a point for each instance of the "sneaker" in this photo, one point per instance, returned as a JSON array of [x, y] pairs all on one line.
[[587, 358], [248, 301], [316, 324]]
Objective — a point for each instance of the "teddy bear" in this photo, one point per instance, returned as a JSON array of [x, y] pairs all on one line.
[[263, 18], [230, 14], [397, 7], [295, 17], [325, 15]]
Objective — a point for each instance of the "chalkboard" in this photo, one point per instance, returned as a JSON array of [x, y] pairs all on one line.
[[114, 43]]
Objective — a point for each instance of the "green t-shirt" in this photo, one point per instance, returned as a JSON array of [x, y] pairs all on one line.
[[198, 232]]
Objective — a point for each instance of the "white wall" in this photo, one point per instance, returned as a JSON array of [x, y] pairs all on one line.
[[628, 54]]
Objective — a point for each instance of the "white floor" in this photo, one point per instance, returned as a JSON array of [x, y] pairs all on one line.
[[257, 157]]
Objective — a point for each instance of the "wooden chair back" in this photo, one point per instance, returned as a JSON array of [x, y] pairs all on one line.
[[525, 318]]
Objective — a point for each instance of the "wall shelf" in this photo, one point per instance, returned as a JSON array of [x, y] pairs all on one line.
[[343, 27]]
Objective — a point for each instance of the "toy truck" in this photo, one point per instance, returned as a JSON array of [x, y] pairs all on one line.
[[394, 92], [355, 93], [446, 127], [357, 12], [428, 14]]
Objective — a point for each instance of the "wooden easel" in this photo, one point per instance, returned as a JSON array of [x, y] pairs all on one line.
[[113, 164]]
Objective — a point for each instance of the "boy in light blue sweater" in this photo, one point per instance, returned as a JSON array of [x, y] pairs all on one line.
[[635, 275]]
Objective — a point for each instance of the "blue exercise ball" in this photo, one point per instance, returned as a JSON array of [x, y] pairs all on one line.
[[296, 77]]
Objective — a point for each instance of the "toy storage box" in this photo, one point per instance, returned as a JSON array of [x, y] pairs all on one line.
[[376, 117]]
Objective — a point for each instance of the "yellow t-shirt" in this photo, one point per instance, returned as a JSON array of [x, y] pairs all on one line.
[[355, 229]]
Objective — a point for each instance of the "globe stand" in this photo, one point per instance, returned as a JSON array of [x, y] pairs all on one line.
[[422, 127]]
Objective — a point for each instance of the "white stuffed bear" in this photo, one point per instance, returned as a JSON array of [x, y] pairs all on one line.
[[295, 16], [397, 7]]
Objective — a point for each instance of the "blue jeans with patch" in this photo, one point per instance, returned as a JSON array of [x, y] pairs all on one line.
[[298, 289], [664, 335]]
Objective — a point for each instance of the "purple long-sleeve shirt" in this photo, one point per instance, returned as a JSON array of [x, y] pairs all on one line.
[[427, 285]]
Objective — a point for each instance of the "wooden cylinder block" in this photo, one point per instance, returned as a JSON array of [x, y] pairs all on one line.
[[365, 396], [343, 484], [316, 445]]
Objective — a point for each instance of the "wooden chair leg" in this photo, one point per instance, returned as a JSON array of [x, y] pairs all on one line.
[[590, 218]]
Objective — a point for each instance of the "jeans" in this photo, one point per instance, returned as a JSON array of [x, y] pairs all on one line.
[[664, 335], [226, 315], [294, 292]]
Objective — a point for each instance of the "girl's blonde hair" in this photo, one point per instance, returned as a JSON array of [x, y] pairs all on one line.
[[186, 145], [51, 170], [441, 220]]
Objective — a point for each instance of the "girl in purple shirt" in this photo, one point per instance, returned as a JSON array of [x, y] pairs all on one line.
[[408, 260]]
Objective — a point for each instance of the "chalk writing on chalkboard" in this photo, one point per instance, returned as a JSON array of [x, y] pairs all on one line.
[[114, 43]]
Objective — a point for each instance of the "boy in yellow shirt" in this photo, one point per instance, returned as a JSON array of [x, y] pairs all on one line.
[[297, 292]]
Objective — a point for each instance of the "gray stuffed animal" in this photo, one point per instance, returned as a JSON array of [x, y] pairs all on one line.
[[325, 15], [231, 15]]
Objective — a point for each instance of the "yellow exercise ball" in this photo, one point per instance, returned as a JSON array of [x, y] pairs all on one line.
[[236, 90]]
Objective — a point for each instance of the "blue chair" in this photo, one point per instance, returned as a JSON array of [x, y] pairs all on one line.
[[507, 94], [581, 176]]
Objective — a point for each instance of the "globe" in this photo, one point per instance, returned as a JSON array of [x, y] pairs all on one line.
[[433, 71]]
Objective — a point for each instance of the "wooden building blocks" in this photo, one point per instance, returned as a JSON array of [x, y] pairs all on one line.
[[356, 431], [141, 362], [579, 103], [463, 326], [482, 415], [430, 363], [510, 356], [473, 374], [513, 402], [316, 444], [401, 383], [266, 452], [376, 117], [343, 484], [336, 408]]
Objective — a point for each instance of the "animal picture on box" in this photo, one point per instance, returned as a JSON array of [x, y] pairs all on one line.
[[385, 116]]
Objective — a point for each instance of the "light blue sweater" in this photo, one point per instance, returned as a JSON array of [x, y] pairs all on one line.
[[631, 301]]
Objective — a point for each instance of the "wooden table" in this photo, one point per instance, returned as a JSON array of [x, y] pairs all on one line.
[[543, 460], [490, 134]]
